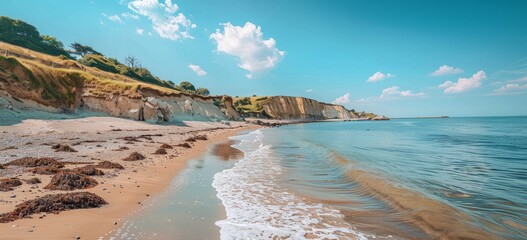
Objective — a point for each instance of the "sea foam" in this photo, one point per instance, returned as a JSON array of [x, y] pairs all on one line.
[[258, 208]]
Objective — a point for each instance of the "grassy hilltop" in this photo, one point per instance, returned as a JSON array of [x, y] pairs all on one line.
[[39, 68]]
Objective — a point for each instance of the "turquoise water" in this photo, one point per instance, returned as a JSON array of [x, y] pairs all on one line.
[[188, 209], [455, 178]]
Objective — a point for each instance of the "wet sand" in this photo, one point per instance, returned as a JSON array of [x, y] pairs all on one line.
[[95, 140], [225, 151]]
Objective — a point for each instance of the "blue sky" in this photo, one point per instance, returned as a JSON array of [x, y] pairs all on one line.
[[396, 58]]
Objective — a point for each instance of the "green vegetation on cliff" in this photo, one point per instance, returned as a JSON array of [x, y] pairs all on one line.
[[20, 33], [249, 104]]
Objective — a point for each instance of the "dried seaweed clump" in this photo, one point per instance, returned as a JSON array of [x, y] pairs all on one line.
[[63, 148], [135, 156], [166, 146], [68, 181], [54, 203], [36, 162], [160, 151], [33, 181], [109, 165], [89, 170], [184, 145], [9, 183]]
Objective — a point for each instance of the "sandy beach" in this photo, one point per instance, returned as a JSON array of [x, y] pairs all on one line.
[[97, 139]]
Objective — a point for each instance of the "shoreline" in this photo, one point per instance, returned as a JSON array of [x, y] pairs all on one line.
[[139, 182]]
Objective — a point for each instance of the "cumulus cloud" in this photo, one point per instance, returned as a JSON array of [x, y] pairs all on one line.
[[342, 99], [246, 42], [464, 84], [446, 70], [197, 69], [129, 15], [164, 19], [309, 90], [378, 76], [113, 18], [140, 31], [394, 91]]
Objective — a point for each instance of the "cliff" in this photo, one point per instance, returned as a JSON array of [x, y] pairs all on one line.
[[34, 81], [285, 107]]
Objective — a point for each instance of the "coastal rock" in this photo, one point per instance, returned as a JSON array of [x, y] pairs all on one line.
[[54, 204], [68, 181]]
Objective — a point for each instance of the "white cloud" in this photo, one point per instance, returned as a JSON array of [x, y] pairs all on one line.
[[140, 31], [101, 22], [464, 84], [511, 87], [446, 70], [378, 76], [255, 53], [197, 69], [309, 90], [164, 19], [129, 15], [342, 99], [114, 18], [395, 91]]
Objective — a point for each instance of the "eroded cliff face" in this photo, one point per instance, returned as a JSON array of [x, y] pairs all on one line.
[[331, 111], [284, 107], [156, 109]]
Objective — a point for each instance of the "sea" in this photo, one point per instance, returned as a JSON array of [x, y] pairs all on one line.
[[437, 178]]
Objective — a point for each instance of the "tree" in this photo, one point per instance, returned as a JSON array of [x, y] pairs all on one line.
[[203, 91], [22, 34], [81, 50], [52, 41], [131, 61], [187, 86]]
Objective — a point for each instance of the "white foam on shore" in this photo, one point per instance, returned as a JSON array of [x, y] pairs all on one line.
[[258, 208]]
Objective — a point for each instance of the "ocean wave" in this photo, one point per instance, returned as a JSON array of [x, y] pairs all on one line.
[[258, 208]]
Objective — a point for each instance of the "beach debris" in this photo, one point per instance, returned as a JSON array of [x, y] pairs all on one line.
[[63, 148], [47, 170], [33, 181], [89, 170], [130, 139], [109, 165], [9, 183], [135, 156], [195, 138], [185, 145], [8, 148], [121, 148], [68, 181], [166, 146], [160, 151], [76, 163], [53, 203], [36, 162]]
